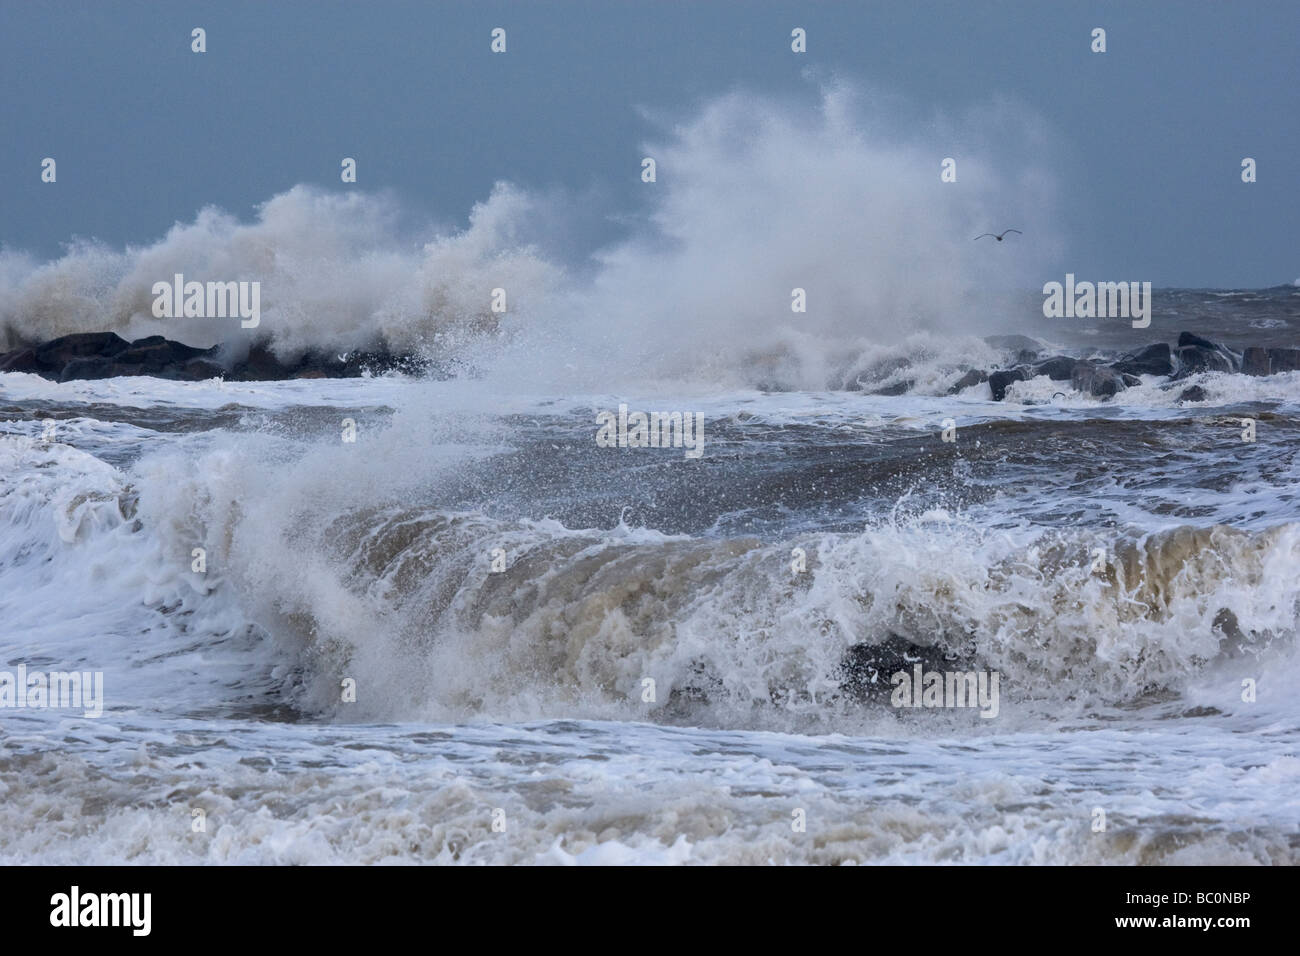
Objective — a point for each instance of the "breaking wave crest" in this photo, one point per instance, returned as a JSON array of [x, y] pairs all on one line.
[[403, 598]]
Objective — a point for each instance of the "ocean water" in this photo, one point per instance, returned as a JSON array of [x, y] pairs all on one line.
[[503, 716], [475, 635]]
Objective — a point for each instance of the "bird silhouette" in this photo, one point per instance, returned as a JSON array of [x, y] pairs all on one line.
[[999, 238]]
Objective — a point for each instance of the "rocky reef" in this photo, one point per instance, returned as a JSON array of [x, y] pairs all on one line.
[[92, 355]]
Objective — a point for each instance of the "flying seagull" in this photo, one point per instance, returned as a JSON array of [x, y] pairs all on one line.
[[999, 238]]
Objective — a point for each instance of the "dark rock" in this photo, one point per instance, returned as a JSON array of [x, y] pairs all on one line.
[[1129, 380], [1096, 380], [53, 355], [261, 365], [200, 370], [1059, 368], [1254, 361], [1193, 393], [1153, 360], [356, 364], [154, 354], [1193, 359], [1283, 360], [377, 363], [973, 377], [88, 368], [1191, 339], [999, 380], [867, 670], [859, 380], [96, 355], [1196, 354], [20, 360]]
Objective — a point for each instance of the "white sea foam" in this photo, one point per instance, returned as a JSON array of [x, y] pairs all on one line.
[[755, 198]]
